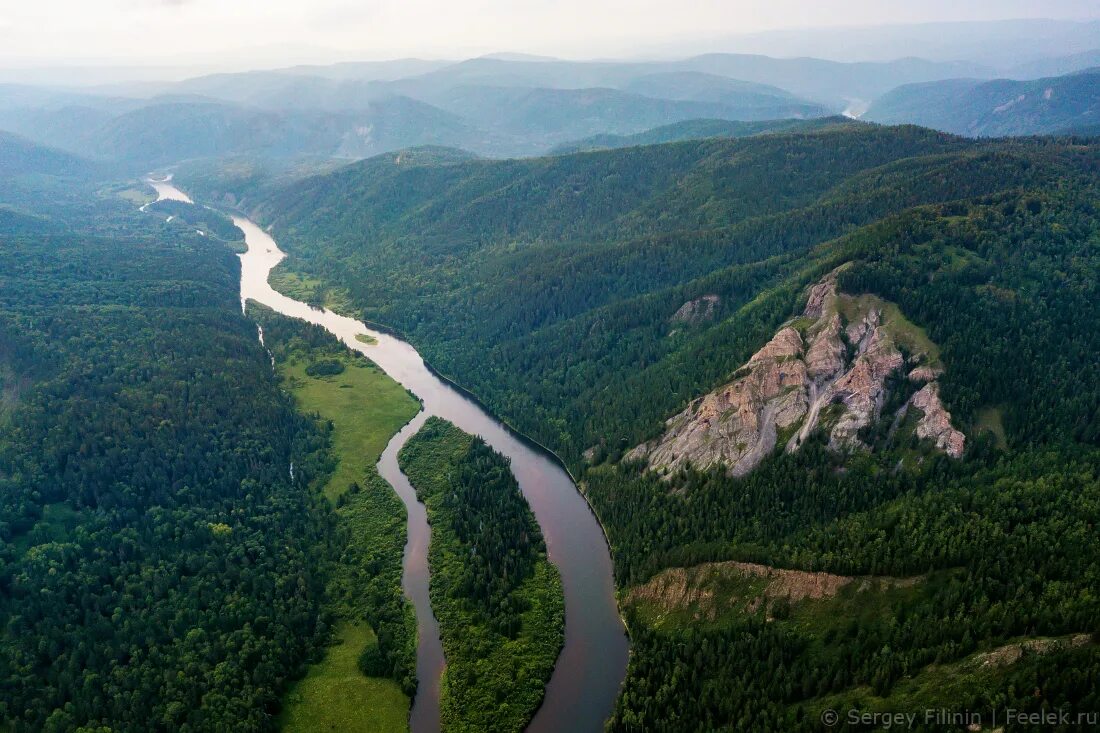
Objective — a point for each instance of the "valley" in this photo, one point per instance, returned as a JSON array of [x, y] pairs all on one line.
[[360, 409], [589, 669], [716, 384], [884, 429]]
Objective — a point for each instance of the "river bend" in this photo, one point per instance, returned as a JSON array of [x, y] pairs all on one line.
[[591, 667]]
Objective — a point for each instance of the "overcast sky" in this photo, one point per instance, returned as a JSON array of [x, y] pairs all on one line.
[[188, 31]]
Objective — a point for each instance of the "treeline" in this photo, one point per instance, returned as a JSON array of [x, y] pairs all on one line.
[[158, 565], [498, 599], [210, 222], [567, 272], [364, 550]]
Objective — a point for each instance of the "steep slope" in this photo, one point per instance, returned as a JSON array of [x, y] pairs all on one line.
[[618, 194], [41, 187], [606, 246], [995, 108], [549, 116], [827, 370], [698, 130], [586, 298], [72, 128]]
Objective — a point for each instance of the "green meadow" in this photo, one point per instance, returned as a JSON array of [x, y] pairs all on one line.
[[359, 408]]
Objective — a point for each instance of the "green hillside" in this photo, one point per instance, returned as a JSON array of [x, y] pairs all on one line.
[[569, 274], [697, 130], [996, 108], [157, 564]]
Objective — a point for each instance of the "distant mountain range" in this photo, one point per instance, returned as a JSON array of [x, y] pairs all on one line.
[[825, 82], [971, 107], [1002, 45], [20, 156], [511, 105], [699, 130], [168, 130]]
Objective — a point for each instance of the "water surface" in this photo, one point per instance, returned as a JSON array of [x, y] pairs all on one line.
[[581, 692]]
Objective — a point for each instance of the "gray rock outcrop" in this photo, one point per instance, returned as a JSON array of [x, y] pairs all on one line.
[[822, 375]]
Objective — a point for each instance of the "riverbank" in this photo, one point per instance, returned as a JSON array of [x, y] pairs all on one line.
[[301, 286], [592, 665], [497, 597], [359, 409], [584, 685]]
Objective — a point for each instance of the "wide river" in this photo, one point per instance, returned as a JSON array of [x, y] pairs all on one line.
[[592, 665]]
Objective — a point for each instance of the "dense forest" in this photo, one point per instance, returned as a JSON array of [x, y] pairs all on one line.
[[157, 564], [497, 597], [203, 221], [183, 540], [357, 408], [571, 271]]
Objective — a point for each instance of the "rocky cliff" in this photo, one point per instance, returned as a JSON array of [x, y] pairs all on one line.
[[828, 370]]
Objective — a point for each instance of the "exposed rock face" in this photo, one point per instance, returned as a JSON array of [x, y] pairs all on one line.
[[827, 367], [924, 374], [696, 311], [935, 423], [709, 590], [825, 357], [862, 388], [822, 296], [736, 425]]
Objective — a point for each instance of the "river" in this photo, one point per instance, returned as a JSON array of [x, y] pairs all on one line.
[[592, 665]]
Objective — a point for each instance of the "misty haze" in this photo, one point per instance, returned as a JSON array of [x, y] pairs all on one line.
[[549, 366]]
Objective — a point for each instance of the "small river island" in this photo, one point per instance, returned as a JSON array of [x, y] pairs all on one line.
[[589, 671], [496, 595]]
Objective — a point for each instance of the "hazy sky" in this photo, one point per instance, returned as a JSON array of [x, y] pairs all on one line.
[[187, 31]]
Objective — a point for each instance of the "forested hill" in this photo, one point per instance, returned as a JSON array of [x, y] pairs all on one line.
[[160, 566], [697, 130], [597, 251], [19, 156], [1054, 105], [636, 192], [587, 298]]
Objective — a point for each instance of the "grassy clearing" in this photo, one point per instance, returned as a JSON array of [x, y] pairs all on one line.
[[335, 696], [991, 420], [310, 290], [11, 387], [136, 196], [362, 409], [365, 406], [905, 333], [57, 522]]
